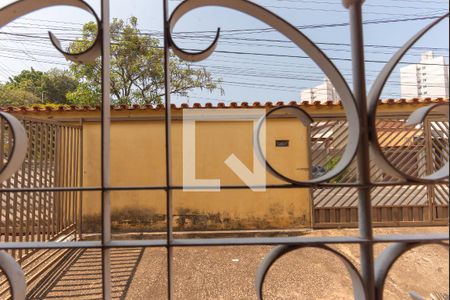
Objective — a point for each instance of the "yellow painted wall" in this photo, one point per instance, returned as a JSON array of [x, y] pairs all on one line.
[[137, 159]]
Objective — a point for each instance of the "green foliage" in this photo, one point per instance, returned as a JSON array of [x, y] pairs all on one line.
[[84, 94], [34, 87], [330, 164], [57, 84], [137, 74], [16, 97]]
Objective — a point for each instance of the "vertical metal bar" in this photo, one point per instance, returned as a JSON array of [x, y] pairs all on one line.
[[27, 180], [74, 177], [33, 173], [429, 165], [25, 169], [14, 183], [363, 158], [75, 181], [105, 148], [25, 209], [62, 167], [54, 162], [48, 149], [3, 137], [59, 158], [168, 146], [81, 181], [41, 181], [311, 193], [61, 180], [2, 142], [66, 178], [70, 168]]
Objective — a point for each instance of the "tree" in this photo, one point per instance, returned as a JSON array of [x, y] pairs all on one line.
[[46, 87], [16, 97], [137, 75], [57, 84]]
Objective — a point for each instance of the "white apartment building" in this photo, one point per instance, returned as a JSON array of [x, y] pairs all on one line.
[[429, 78], [324, 92]]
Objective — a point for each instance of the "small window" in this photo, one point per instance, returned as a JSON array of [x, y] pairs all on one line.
[[282, 143]]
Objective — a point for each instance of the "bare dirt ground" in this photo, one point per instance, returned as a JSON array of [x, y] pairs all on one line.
[[229, 272]]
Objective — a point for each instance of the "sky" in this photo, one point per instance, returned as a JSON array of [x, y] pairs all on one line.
[[254, 65]]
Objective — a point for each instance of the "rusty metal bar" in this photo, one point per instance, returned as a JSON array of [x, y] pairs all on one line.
[[55, 179], [15, 203], [42, 160], [105, 148], [75, 183], [48, 171], [68, 162], [66, 177], [363, 158], [58, 172], [80, 216], [168, 149]]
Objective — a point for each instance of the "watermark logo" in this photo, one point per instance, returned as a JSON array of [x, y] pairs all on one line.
[[255, 179]]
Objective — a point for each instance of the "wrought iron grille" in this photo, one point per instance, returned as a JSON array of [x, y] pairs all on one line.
[[41, 216], [415, 150], [360, 108]]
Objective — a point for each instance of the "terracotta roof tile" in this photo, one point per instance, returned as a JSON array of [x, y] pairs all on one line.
[[255, 104]]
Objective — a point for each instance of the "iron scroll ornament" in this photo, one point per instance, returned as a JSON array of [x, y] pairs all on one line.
[[386, 260], [10, 267], [358, 287], [415, 118], [9, 13], [348, 101], [301, 41], [301, 115], [23, 7], [19, 147]]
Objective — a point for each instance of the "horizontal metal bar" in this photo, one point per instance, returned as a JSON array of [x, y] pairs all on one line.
[[206, 188], [383, 224], [269, 241], [412, 238], [50, 189], [50, 245], [136, 243]]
